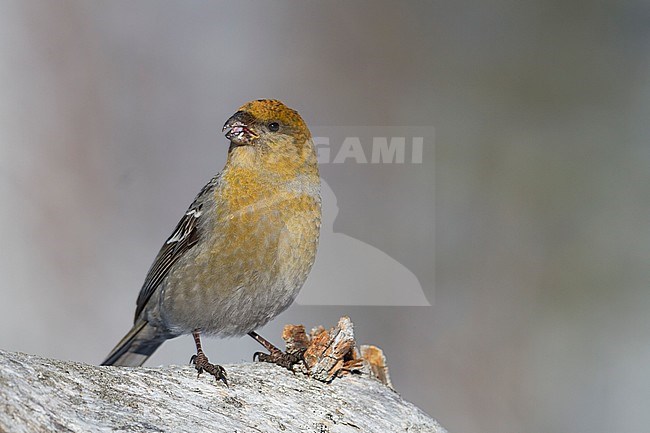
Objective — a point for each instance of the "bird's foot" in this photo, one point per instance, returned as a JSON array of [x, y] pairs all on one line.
[[277, 357], [202, 364]]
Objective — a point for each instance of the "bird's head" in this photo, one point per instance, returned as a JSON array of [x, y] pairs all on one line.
[[267, 131], [265, 120]]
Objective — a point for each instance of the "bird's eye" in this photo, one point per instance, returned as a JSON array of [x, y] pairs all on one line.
[[274, 126]]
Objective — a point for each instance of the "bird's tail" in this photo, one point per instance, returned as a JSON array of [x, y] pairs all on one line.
[[136, 346]]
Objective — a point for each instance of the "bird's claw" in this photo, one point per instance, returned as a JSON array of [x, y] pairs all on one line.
[[278, 357], [201, 364]]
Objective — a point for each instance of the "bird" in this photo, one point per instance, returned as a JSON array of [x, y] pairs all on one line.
[[243, 249]]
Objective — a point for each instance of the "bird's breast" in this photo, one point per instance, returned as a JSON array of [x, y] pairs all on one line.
[[269, 233], [253, 258]]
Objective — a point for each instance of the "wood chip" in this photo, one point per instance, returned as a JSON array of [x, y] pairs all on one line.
[[331, 353]]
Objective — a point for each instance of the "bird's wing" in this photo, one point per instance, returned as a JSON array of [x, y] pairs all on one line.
[[184, 237]]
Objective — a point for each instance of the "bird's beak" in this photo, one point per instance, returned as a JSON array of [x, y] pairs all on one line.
[[238, 129]]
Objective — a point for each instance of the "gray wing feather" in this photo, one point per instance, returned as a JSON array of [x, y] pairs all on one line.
[[184, 237]]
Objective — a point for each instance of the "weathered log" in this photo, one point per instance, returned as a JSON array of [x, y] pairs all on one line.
[[46, 395]]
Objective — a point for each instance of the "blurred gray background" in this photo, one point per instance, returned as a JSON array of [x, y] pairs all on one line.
[[110, 118]]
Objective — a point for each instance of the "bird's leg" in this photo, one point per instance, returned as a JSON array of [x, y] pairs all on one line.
[[275, 355], [201, 362]]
